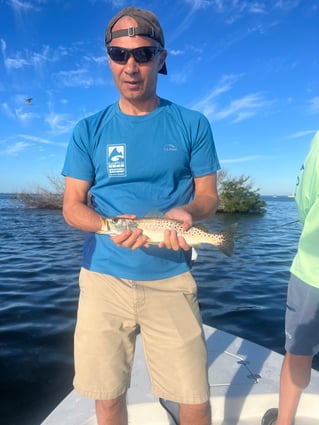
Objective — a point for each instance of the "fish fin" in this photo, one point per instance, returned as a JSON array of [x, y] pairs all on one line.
[[227, 246], [201, 227]]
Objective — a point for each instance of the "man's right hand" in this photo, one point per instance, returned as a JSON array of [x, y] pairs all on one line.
[[131, 239]]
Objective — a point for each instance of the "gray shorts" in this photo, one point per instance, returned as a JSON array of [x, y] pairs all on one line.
[[302, 318]]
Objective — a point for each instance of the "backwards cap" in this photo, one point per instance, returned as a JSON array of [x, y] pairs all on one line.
[[147, 26]]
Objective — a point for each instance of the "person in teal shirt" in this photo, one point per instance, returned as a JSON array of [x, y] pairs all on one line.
[[140, 154], [302, 313]]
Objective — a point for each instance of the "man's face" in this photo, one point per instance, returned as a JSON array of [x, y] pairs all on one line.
[[135, 81]]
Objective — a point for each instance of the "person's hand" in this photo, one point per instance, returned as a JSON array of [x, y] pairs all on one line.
[[171, 240], [131, 239]]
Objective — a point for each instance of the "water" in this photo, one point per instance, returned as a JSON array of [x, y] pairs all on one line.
[[39, 264]]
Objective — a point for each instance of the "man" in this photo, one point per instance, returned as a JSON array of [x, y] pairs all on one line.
[[140, 154], [302, 313]]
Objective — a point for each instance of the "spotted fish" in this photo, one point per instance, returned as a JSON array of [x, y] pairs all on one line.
[[153, 229]]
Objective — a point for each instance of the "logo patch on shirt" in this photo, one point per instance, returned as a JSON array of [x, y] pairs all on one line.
[[170, 147], [116, 160]]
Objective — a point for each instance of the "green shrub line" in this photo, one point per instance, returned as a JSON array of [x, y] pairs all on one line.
[[236, 195]]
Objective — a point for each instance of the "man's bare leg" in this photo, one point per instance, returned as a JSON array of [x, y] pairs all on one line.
[[112, 412], [294, 378], [199, 414]]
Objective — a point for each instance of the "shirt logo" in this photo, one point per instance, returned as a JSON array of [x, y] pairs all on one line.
[[116, 160], [170, 147]]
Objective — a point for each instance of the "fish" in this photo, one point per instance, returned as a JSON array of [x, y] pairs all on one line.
[[153, 228]]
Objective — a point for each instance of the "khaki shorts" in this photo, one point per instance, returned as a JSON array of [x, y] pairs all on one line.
[[110, 312]]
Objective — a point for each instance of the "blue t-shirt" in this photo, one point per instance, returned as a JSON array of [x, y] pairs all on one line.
[[138, 164]]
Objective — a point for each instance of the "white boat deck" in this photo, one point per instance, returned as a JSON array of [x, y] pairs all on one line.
[[244, 381]]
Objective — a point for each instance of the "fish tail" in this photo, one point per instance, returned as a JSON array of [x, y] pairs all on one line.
[[227, 244]]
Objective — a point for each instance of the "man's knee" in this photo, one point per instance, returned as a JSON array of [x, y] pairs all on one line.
[[111, 404], [109, 412], [200, 413]]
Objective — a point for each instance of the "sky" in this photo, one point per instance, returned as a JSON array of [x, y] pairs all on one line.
[[252, 67]]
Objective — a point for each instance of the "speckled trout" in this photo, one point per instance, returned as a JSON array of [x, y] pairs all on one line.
[[153, 229]]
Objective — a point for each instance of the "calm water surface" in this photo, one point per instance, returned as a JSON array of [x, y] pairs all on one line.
[[39, 264]]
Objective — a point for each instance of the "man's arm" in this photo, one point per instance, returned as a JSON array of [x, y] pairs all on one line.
[[78, 214], [76, 211], [204, 205]]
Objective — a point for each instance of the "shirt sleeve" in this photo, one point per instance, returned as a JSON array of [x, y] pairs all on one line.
[[78, 161], [204, 159]]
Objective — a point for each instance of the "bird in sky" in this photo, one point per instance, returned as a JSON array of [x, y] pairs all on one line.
[[28, 100]]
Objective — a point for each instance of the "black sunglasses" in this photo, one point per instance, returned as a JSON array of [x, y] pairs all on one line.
[[140, 54]]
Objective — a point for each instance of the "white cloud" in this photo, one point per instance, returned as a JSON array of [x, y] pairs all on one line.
[[300, 134], [242, 108], [14, 149], [22, 6], [78, 78], [287, 4], [41, 140], [23, 116], [96, 59], [228, 6], [7, 110], [179, 77], [15, 63], [44, 55], [20, 113], [225, 84], [238, 109], [21, 142], [25, 58], [242, 6], [199, 4], [115, 4], [3, 46], [176, 52], [59, 123]]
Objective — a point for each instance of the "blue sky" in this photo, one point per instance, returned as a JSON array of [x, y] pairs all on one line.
[[251, 66]]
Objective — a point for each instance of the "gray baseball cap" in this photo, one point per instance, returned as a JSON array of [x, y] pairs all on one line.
[[147, 26]]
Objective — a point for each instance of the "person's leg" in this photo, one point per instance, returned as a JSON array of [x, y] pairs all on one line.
[[199, 414], [112, 412], [104, 345], [295, 377], [175, 347], [302, 342]]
